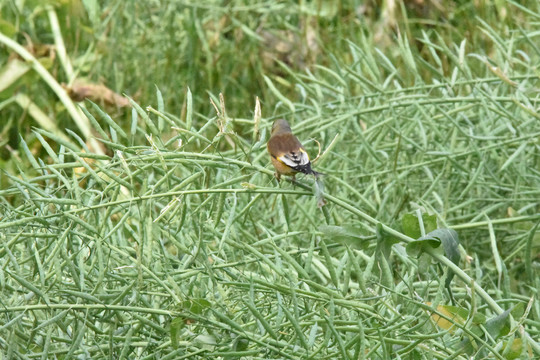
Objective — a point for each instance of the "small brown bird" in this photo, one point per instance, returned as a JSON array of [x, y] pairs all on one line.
[[287, 153]]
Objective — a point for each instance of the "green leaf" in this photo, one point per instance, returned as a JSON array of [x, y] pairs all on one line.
[[424, 262], [385, 241], [176, 325], [450, 241], [347, 235], [195, 306], [417, 247], [447, 237], [458, 315], [240, 344], [499, 325], [514, 349], [411, 225]]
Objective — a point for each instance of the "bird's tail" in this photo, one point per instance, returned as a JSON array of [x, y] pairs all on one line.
[[317, 174], [306, 169]]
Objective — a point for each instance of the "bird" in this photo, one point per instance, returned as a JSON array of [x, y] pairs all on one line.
[[287, 153]]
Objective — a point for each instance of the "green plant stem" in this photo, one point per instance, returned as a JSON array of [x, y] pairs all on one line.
[[79, 119], [441, 259], [85, 307], [59, 43]]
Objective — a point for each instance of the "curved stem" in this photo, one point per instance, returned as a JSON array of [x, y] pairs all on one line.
[[76, 115], [441, 259]]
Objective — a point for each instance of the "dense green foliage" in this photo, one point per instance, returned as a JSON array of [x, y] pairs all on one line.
[[150, 226]]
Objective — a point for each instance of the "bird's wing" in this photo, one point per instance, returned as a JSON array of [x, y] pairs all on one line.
[[295, 159], [287, 149]]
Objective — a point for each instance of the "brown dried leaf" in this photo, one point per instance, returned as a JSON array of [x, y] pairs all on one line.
[[97, 93]]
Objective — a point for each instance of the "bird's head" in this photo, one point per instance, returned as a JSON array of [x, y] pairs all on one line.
[[281, 126]]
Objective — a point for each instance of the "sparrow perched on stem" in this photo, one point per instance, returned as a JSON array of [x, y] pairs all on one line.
[[287, 153]]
